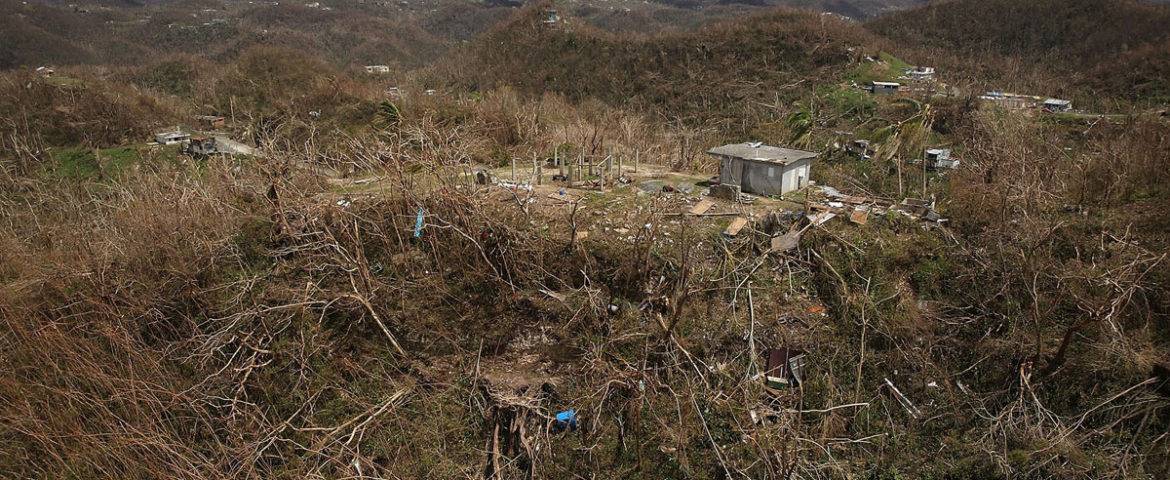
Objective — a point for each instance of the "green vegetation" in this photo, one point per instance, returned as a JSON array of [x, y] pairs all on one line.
[[886, 68], [83, 163]]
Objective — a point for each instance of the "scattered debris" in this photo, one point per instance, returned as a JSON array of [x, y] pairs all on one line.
[[905, 402], [418, 222], [210, 122], [920, 73], [920, 209], [820, 218], [514, 185], [861, 148], [784, 367]]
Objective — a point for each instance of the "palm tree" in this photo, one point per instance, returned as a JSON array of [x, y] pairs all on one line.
[[906, 137], [801, 123]]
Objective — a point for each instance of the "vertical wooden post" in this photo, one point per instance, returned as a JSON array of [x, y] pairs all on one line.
[[637, 153], [608, 167], [513, 169]]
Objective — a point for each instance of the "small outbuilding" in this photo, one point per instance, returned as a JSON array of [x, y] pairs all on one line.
[[884, 88], [763, 169], [377, 69]]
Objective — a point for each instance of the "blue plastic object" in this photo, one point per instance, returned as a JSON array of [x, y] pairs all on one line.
[[567, 420], [418, 223]]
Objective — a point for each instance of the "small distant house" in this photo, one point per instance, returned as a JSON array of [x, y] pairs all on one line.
[[551, 16], [1011, 101], [940, 158], [784, 367], [1056, 105], [377, 69], [313, 5], [763, 169], [920, 73], [210, 122], [45, 71], [884, 88], [202, 146], [171, 138]]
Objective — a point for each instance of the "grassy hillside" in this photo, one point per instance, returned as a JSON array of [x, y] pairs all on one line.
[[350, 303], [33, 34], [1102, 47], [711, 72]]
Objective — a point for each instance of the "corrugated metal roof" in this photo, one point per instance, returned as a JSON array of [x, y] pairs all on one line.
[[763, 153]]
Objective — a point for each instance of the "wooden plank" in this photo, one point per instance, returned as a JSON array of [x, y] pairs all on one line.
[[859, 216], [786, 242], [567, 198], [736, 225], [702, 207]]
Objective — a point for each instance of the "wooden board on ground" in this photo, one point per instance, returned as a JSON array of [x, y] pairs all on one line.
[[859, 216], [786, 242], [702, 207], [736, 225], [567, 198]]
